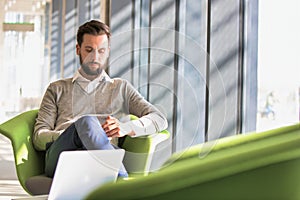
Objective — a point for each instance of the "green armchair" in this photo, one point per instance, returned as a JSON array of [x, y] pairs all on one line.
[[249, 166], [30, 163]]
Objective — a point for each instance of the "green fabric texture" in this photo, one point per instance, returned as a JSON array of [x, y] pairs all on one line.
[[19, 129], [252, 166], [202, 150]]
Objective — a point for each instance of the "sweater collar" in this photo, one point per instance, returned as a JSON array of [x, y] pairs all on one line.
[[102, 77]]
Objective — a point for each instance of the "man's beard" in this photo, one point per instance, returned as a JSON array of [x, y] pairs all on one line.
[[85, 67]]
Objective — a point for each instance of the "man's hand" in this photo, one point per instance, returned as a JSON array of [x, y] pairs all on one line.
[[112, 127]]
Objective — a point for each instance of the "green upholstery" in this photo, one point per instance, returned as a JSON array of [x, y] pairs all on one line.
[[30, 163], [250, 166], [138, 157]]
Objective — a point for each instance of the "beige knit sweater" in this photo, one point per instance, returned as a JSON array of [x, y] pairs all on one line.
[[65, 101]]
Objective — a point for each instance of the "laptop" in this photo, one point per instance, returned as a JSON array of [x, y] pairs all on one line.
[[80, 172]]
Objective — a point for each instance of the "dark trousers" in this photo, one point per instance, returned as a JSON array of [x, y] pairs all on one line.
[[85, 134]]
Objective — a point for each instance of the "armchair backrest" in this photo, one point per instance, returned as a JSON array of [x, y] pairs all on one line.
[[251, 166], [19, 129]]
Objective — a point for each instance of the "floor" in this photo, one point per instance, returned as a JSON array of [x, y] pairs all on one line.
[[9, 184]]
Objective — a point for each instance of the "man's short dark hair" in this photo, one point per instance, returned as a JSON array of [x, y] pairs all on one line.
[[93, 27]]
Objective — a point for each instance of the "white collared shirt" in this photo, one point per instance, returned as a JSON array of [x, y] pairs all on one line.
[[88, 85]]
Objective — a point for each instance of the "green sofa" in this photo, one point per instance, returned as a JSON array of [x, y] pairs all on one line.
[[255, 166]]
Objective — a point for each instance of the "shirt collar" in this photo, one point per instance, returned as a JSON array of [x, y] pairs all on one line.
[[102, 77]]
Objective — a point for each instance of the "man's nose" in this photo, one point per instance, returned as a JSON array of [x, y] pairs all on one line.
[[95, 55]]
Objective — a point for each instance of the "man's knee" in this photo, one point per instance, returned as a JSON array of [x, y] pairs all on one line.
[[91, 133], [87, 121]]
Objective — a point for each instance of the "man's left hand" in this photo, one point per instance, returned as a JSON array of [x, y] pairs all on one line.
[[112, 127]]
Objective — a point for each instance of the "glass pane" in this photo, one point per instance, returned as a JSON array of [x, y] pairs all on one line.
[[278, 63], [23, 62]]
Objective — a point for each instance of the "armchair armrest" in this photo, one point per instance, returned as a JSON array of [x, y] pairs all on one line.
[[140, 150]]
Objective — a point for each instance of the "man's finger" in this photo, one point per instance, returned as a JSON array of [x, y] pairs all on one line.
[[113, 133]]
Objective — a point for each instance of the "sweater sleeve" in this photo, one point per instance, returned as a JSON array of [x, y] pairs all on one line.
[[45, 123], [150, 121]]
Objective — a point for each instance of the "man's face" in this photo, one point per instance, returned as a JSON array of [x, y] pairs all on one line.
[[93, 53]]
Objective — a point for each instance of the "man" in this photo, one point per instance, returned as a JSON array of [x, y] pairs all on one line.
[[89, 111]]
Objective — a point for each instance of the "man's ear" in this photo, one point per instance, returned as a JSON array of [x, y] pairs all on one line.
[[77, 49]]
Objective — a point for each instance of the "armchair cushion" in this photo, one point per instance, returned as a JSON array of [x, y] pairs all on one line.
[[38, 185]]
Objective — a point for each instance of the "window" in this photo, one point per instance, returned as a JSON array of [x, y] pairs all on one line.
[[278, 63], [23, 63]]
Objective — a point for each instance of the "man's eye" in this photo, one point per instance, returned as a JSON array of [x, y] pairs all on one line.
[[89, 50], [101, 50]]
